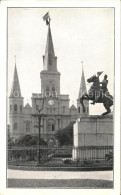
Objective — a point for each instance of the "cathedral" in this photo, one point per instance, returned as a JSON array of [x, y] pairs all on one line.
[[54, 106]]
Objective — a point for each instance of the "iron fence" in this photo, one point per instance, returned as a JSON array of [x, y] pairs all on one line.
[[64, 156]]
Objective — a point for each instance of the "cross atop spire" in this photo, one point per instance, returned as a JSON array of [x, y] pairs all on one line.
[[15, 90], [82, 89]]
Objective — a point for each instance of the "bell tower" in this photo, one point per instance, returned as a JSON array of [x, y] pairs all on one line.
[[16, 107], [50, 77]]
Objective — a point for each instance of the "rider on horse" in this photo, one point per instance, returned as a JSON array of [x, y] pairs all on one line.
[[101, 90], [104, 84], [97, 90]]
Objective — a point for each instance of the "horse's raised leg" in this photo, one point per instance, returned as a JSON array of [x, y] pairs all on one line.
[[107, 107], [84, 97]]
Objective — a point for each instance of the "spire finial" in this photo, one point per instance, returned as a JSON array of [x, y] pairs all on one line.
[[15, 59], [82, 67]]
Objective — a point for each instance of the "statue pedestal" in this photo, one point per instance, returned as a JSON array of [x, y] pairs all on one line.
[[92, 131]]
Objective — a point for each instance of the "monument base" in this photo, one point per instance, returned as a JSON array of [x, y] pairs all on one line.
[[92, 132]]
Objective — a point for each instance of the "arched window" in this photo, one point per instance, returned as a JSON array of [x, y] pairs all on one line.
[[51, 125], [47, 88], [83, 109], [54, 94], [78, 109], [47, 93], [15, 107], [58, 123], [15, 126], [63, 109], [27, 127], [21, 108], [53, 87]]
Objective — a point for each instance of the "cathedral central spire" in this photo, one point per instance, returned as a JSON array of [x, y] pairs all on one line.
[[49, 45], [49, 59], [50, 77]]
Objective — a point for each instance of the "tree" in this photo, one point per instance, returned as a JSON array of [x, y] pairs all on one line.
[[65, 136]]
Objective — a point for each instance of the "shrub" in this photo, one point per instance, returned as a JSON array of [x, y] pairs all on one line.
[[65, 136], [28, 140], [109, 157], [63, 155], [68, 161]]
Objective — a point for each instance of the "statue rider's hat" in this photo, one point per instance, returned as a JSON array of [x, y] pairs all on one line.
[[99, 73]]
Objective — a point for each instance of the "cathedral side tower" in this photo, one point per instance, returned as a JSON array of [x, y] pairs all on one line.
[[80, 110], [16, 107]]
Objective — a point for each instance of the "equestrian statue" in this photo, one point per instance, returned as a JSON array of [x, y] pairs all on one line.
[[98, 93]]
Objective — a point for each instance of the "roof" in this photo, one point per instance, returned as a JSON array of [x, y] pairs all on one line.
[[27, 106], [72, 107]]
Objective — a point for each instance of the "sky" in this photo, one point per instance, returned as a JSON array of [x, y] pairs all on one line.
[[79, 34]]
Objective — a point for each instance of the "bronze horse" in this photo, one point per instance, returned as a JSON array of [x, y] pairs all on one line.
[[98, 95]]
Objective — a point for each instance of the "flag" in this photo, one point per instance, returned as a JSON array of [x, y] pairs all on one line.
[[47, 18]]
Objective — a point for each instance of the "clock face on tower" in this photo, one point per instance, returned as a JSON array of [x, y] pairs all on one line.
[[51, 102]]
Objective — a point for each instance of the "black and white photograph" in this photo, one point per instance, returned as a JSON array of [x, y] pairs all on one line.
[[60, 126]]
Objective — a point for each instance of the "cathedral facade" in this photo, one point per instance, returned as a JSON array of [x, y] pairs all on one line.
[[50, 102]]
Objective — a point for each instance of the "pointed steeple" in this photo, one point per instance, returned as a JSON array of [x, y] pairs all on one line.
[[50, 77], [82, 111], [49, 60], [82, 89], [15, 90]]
